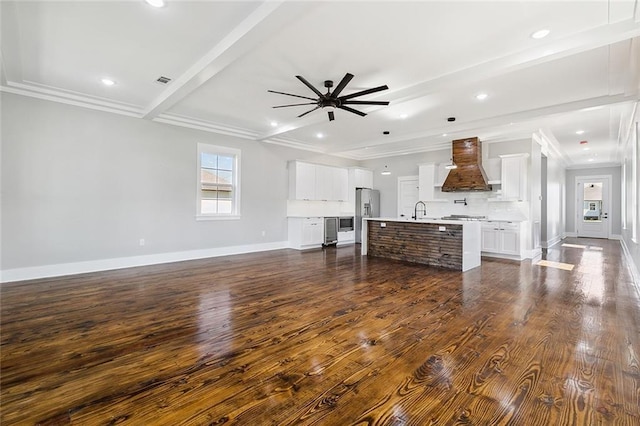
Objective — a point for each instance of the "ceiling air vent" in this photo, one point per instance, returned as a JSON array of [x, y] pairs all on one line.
[[163, 80]]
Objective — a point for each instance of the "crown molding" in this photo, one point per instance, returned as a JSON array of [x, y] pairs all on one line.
[[71, 98]]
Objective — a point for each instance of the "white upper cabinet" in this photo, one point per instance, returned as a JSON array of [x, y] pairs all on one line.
[[493, 169], [430, 179], [514, 177], [324, 183], [363, 178], [341, 183], [442, 174], [317, 182], [302, 181], [426, 181]]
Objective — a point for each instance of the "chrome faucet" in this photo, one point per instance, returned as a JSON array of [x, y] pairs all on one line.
[[415, 210]]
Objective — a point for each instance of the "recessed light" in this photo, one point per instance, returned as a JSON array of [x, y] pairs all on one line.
[[274, 124], [541, 33], [481, 96], [403, 116], [444, 135], [590, 159], [579, 132], [107, 82], [319, 135], [586, 148], [155, 3]]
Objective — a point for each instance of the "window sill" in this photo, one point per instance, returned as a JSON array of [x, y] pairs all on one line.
[[217, 217]]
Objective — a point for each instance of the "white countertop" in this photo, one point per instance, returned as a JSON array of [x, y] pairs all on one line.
[[422, 220], [449, 221]]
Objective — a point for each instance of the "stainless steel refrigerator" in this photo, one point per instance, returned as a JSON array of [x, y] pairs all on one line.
[[367, 205]]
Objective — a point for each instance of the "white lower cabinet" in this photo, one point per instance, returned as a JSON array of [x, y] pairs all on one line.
[[306, 232], [503, 239], [346, 237]]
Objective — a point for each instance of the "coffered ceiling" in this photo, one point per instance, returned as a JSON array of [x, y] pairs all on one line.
[[435, 56]]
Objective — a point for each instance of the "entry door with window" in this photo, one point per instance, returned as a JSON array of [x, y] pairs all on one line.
[[593, 206], [407, 195]]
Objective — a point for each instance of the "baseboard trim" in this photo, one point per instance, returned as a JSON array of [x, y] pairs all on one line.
[[49, 271], [616, 237], [570, 234], [552, 242], [635, 273]]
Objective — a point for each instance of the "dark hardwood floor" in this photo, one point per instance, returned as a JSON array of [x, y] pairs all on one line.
[[327, 338]]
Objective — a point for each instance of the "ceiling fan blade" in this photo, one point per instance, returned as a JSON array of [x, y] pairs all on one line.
[[290, 105], [331, 116], [364, 92], [305, 113], [365, 103], [309, 85], [355, 111], [345, 80], [289, 94]]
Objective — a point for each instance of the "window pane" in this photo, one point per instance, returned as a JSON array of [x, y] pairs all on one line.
[[225, 178], [218, 180], [224, 206], [224, 194], [225, 163], [209, 206], [209, 160], [592, 208]]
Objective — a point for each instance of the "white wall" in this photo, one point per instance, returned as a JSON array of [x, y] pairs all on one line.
[[630, 187], [555, 202], [80, 185]]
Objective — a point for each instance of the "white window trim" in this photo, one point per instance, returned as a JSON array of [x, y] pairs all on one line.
[[215, 149]]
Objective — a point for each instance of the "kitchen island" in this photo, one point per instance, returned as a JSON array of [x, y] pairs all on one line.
[[451, 244]]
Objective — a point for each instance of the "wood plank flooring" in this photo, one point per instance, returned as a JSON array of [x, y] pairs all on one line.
[[327, 338]]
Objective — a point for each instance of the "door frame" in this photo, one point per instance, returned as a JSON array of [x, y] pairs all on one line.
[[399, 199], [578, 205]]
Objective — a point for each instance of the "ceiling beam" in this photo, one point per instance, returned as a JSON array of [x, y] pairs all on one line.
[[569, 46], [252, 31], [480, 126]]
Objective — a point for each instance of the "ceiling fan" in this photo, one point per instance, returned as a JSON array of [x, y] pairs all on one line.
[[332, 99]]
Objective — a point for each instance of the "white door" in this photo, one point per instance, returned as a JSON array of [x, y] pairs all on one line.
[[593, 196], [407, 195]]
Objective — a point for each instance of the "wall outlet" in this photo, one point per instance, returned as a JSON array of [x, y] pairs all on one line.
[[383, 225], [141, 242], [442, 228]]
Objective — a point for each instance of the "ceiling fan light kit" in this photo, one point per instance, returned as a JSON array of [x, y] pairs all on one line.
[[333, 100]]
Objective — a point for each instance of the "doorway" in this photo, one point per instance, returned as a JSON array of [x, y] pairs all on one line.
[[593, 204], [407, 195]]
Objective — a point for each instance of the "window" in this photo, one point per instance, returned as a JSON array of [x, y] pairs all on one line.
[[218, 182]]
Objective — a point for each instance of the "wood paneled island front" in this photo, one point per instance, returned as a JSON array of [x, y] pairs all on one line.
[[443, 243]]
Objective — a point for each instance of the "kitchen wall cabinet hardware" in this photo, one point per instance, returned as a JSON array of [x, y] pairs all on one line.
[[317, 182], [306, 232]]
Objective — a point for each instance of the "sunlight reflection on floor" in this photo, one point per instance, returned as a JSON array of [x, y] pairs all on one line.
[[558, 265]]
